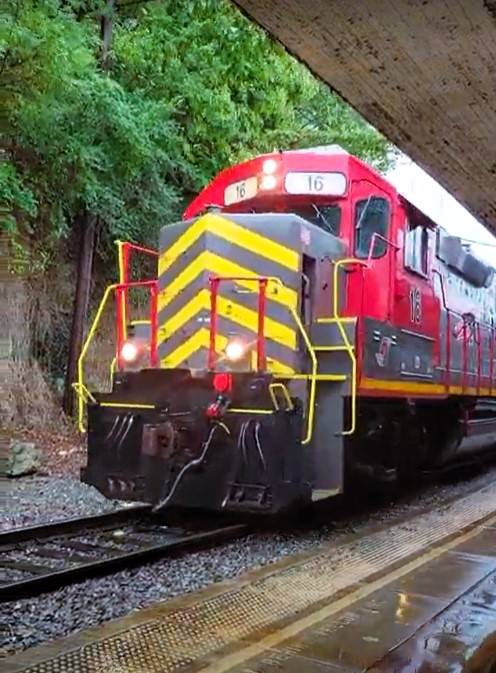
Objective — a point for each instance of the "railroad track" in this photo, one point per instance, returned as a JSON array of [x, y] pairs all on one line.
[[43, 558]]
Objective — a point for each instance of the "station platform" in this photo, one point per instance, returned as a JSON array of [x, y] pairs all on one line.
[[418, 596]]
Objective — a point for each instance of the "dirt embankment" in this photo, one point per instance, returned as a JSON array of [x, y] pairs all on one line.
[[34, 334], [36, 310]]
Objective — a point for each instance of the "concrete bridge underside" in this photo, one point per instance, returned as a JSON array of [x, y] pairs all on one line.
[[422, 71]]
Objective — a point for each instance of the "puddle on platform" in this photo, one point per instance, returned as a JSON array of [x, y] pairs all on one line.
[[462, 639]]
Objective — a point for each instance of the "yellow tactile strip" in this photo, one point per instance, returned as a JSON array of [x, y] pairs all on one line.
[[187, 638]]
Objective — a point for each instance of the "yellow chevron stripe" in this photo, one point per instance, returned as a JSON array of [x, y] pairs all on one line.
[[277, 367], [201, 339], [209, 261], [190, 236], [185, 313], [233, 233], [232, 311], [248, 318]]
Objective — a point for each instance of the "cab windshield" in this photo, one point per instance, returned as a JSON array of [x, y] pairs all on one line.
[[327, 218]]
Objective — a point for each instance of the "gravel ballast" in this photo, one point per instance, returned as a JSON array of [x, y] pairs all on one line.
[[36, 500], [26, 623]]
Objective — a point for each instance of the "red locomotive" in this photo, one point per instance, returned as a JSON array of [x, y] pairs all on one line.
[[307, 319]]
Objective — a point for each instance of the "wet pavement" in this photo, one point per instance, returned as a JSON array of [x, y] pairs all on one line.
[[417, 597], [440, 618]]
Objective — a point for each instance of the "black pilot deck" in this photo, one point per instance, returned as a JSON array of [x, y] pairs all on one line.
[[418, 596]]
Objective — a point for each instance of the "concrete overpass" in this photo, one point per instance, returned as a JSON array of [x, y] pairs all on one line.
[[422, 71]]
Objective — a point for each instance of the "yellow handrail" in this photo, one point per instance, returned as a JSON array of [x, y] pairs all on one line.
[[79, 385], [80, 371], [82, 391], [349, 348], [280, 386], [313, 375], [113, 366]]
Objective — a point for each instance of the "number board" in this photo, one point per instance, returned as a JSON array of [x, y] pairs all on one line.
[[324, 184], [240, 191]]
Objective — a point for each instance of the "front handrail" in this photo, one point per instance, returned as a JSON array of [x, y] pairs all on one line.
[[124, 249], [214, 282], [313, 358], [263, 282], [349, 348], [117, 289], [121, 290], [79, 385]]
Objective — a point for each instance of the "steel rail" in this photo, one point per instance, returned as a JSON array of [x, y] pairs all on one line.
[[70, 525], [61, 541]]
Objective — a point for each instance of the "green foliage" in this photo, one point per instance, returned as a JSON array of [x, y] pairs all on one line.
[[17, 200], [77, 138], [192, 87], [233, 92]]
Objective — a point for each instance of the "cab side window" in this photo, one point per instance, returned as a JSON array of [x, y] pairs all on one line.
[[416, 248], [371, 217]]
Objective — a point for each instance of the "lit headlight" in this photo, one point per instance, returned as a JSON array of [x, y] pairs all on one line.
[[269, 166], [268, 182], [236, 350], [129, 352]]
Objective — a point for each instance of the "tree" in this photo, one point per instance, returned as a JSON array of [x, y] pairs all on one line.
[[192, 87], [75, 139], [188, 87], [232, 91]]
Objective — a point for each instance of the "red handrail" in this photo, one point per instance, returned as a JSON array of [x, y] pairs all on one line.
[[126, 249], [479, 356], [465, 355], [214, 282], [262, 288], [153, 324], [491, 359], [120, 294], [214, 288], [447, 372]]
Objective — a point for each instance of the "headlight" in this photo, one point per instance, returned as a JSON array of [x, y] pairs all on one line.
[[269, 166], [236, 350], [129, 352], [268, 182]]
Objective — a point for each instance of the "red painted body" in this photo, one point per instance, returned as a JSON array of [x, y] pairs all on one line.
[[386, 289]]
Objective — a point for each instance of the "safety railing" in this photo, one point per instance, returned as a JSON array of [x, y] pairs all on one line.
[[124, 251], [448, 328], [339, 320], [121, 293], [491, 358], [118, 290], [263, 284], [452, 332], [214, 282]]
